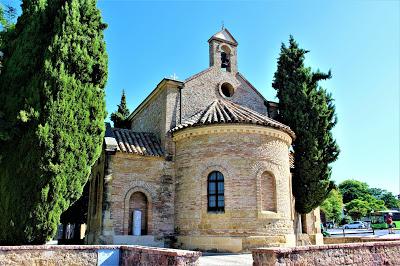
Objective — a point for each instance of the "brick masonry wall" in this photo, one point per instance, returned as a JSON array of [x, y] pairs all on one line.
[[153, 177], [268, 192], [95, 200], [242, 158], [373, 253]]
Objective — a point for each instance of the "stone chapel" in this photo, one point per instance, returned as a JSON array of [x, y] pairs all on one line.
[[204, 162]]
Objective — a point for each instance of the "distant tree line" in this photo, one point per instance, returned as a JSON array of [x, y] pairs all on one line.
[[357, 200]]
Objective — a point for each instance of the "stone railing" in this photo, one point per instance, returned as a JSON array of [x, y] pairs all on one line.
[[367, 253], [96, 255]]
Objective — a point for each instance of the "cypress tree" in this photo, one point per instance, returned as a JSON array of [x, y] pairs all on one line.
[[52, 84], [119, 117], [309, 110]]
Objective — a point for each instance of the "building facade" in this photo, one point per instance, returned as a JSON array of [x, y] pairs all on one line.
[[203, 161]]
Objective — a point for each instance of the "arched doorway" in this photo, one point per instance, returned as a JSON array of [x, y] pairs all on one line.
[[138, 201]]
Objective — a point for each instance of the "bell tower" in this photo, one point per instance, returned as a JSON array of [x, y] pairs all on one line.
[[223, 51]]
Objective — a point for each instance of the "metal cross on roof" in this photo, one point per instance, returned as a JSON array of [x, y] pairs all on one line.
[[174, 77]]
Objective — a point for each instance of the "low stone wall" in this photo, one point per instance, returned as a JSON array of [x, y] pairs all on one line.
[[354, 239], [341, 240], [131, 255], [368, 253], [95, 255]]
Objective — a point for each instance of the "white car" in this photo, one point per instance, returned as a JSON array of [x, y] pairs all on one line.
[[355, 225]]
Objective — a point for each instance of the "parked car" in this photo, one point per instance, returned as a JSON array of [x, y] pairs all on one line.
[[355, 225]]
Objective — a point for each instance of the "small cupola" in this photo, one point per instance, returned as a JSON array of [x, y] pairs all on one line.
[[223, 51]]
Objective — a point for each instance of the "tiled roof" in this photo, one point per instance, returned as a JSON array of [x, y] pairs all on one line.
[[141, 143], [224, 111]]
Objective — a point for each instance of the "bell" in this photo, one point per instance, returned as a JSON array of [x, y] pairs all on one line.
[[225, 64]]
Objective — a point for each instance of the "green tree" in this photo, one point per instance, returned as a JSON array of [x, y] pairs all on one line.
[[309, 110], [353, 189], [358, 208], [374, 204], [52, 85], [119, 117], [7, 18], [333, 206], [390, 200]]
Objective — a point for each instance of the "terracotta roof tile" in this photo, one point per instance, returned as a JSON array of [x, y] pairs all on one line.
[[224, 111], [141, 143]]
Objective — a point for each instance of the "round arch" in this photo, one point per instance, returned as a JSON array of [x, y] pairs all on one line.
[[128, 209]]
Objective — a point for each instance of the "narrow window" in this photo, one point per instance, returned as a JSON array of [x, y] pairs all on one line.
[[215, 192]]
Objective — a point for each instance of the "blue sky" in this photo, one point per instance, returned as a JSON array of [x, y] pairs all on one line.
[[357, 40]]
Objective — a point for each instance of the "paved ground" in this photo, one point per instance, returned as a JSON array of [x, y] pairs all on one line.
[[363, 232], [226, 259], [213, 259]]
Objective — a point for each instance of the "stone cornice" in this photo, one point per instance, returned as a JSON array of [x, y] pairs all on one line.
[[230, 128]]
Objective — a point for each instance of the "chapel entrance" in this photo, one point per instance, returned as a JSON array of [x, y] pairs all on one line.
[[138, 201]]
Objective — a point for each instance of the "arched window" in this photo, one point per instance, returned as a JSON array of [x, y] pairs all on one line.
[[215, 192]]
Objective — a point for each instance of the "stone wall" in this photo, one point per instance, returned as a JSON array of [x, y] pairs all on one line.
[[160, 113], [242, 156], [373, 253], [311, 225], [152, 117], [95, 255], [200, 91], [215, 49], [355, 239], [158, 256]]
